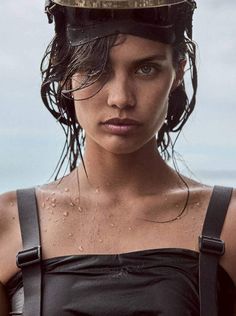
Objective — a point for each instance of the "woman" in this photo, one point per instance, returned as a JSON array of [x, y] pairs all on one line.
[[119, 233]]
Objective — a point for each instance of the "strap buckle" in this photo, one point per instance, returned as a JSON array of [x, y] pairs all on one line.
[[28, 256], [211, 245]]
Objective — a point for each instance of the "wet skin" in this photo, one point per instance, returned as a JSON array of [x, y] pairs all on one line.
[[129, 186]]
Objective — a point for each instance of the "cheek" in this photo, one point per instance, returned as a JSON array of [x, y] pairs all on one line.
[[81, 114]]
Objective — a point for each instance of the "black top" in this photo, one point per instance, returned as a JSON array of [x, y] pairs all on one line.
[[148, 282]]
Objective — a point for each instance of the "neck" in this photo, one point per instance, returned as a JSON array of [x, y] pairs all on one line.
[[136, 173]]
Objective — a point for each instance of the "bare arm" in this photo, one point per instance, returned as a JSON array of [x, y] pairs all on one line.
[[4, 305]]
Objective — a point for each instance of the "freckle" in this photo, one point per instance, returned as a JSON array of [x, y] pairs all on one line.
[[13, 217], [45, 230], [65, 214]]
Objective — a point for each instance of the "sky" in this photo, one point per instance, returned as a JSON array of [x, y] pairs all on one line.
[[31, 140]]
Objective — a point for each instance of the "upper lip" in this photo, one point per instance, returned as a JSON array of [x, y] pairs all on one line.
[[119, 121]]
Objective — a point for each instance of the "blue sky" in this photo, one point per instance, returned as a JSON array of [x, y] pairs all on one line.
[[31, 141]]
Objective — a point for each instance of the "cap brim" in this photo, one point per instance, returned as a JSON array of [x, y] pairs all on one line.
[[117, 4]]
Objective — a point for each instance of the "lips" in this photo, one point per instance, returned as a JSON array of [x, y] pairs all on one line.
[[118, 121], [122, 127]]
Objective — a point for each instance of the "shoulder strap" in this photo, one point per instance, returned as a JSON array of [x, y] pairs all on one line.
[[29, 259], [211, 248]]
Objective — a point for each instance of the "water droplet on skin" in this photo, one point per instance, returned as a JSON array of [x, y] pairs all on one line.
[[43, 205], [130, 228], [51, 212], [80, 209], [12, 204], [112, 225], [72, 204], [70, 235], [81, 248], [100, 240], [197, 204], [65, 214], [97, 190], [47, 199], [177, 205], [67, 190], [53, 200], [53, 193], [53, 205]]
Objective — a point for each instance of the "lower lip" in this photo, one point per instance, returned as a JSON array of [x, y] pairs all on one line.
[[119, 129]]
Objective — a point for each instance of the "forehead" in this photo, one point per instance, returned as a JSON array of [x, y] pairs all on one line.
[[134, 48]]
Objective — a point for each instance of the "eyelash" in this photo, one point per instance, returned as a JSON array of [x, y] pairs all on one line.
[[155, 67]]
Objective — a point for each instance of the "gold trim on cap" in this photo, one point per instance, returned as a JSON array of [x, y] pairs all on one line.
[[117, 4]]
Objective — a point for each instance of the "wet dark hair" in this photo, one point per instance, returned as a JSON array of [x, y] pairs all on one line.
[[61, 61]]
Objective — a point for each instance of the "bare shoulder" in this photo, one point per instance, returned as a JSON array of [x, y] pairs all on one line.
[[10, 241], [228, 261], [7, 203]]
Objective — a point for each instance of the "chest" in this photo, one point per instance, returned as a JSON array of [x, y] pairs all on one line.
[[117, 228]]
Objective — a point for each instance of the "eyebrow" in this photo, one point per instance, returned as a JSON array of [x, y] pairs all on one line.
[[151, 58]]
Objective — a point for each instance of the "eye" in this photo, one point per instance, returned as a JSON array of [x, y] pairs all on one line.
[[147, 69]]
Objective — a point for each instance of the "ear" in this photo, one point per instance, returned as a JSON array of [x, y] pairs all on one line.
[[179, 75]]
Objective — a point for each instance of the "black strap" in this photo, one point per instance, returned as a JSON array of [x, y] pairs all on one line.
[[211, 248], [29, 259]]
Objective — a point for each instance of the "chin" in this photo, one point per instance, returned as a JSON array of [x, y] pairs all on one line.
[[124, 146]]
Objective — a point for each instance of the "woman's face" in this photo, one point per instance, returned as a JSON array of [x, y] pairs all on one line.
[[132, 105]]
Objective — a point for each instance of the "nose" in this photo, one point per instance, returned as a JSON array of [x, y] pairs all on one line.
[[121, 92]]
